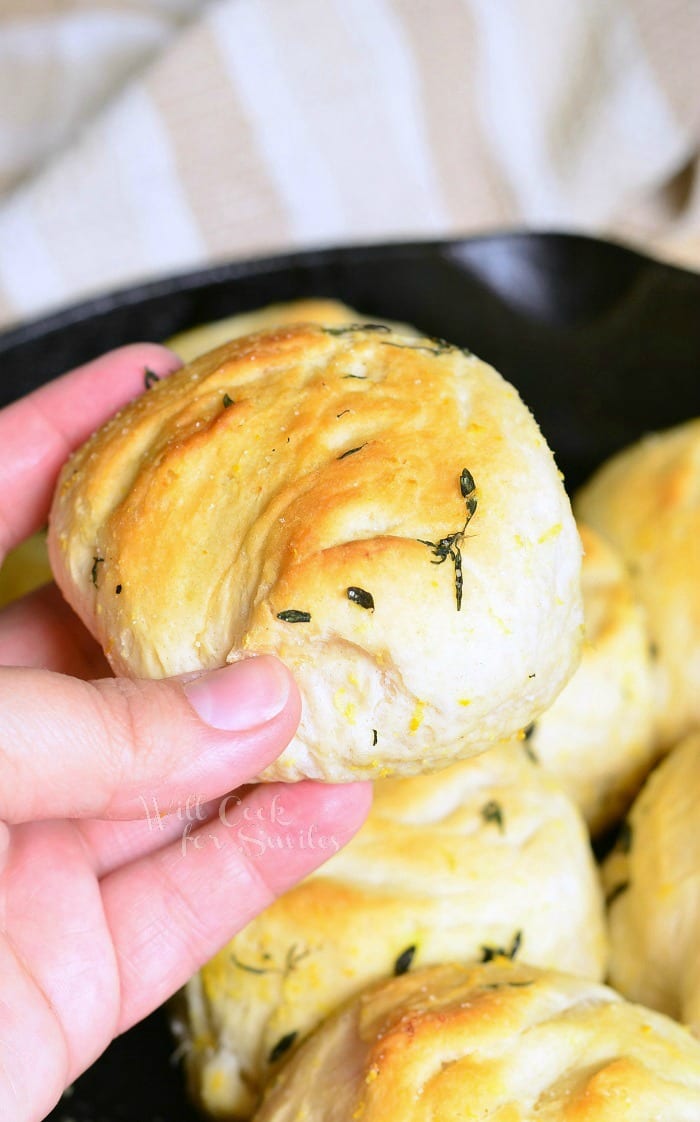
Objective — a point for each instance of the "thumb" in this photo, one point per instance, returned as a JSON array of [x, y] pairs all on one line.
[[70, 748]]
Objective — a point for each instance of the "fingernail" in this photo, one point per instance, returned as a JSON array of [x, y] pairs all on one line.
[[241, 696]]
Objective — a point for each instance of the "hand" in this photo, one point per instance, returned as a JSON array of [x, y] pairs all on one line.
[[105, 906]]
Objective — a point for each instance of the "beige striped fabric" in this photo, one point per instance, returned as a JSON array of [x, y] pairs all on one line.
[[142, 137]]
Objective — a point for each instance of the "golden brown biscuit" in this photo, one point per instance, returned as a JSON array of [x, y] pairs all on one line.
[[653, 884], [27, 566], [646, 500], [197, 341], [488, 853], [380, 511], [598, 736], [501, 1041]]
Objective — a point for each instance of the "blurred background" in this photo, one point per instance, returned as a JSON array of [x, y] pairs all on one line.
[[143, 137]]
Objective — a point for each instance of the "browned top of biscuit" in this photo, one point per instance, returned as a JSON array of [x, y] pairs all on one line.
[[378, 509], [499, 1040]]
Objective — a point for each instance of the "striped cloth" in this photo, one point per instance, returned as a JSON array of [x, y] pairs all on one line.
[[142, 137]]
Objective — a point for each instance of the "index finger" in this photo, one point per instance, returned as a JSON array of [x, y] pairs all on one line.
[[38, 432]]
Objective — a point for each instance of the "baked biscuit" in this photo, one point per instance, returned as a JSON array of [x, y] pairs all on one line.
[[27, 566], [380, 511], [646, 501], [486, 854], [499, 1041], [197, 341], [652, 880], [598, 736]]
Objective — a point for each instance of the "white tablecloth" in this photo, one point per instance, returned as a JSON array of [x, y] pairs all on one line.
[[146, 136]]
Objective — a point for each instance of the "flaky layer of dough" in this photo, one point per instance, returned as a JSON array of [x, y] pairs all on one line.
[[598, 736], [488, 853], [380, 511], [500, 1041], [196, 341], [646, 501], [652, 880]]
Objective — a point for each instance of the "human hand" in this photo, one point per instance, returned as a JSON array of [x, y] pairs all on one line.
[[105, 907]]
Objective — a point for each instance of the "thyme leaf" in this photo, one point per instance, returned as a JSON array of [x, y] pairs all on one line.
[[283, 1045], [359, 596], [227, 401], [293, 615], [347, 329], [615, 892], [492, 811], [466, 483], [450, 546], [352, 451], [489, 953], [150, 378], [403, 962], [530, 753], [509, 985], [292, 960], [441, 346], [527, 747], [623, 842], [250, 969]]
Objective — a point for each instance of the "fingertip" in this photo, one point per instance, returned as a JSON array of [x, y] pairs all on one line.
[[338, 807], [350, 802], [38, 431], [286, 830], [133, 368], [154, 355], [203, 735], [242, 696]]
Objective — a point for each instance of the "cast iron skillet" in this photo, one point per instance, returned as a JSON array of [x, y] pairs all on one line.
[[603, 344]]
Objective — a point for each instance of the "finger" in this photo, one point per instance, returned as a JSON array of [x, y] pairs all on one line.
[[116, 843], [41, 631], [38, 432], [107, 749], [171, 912], [56, 927], [29, 1079]]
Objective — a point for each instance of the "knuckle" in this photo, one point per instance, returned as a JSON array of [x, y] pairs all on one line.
[[136, 728]]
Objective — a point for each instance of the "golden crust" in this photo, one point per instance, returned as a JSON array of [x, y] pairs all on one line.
[[598, 736], [652, 879], [198, 340], [482, 853], [501, 1041], [284, 469], [646, 501]]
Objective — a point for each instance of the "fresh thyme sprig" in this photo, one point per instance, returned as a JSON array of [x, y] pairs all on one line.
[[450, 546]]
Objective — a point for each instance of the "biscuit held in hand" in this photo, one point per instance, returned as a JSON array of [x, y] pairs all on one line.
[[380, 511]]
